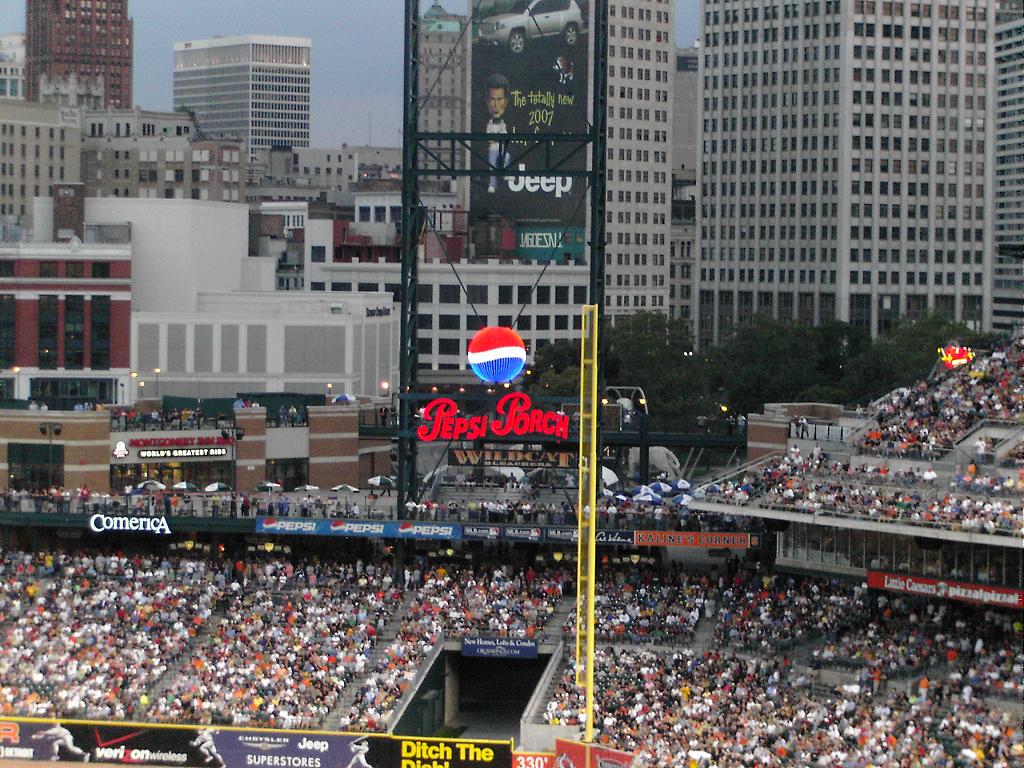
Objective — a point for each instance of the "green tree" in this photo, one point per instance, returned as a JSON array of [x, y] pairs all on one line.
[[904, 354], [765, 361]]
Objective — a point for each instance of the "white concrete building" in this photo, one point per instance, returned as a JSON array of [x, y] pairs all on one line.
[[12, 66], [319, 173], [265, 341], [143, 153], [846, 163], [494, 295], [686, 111], [196, 318], [641, 64], [250, 87], [1008, 102]]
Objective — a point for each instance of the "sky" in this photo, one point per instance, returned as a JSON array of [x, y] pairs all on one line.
[[357, 53]]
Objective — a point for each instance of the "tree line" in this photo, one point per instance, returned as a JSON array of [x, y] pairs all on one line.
[[764, 361]]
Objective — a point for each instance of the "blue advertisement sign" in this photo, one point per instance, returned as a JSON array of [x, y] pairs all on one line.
[[359, 528], [499, 647], [562, 535], [523, 532], [481, 532]]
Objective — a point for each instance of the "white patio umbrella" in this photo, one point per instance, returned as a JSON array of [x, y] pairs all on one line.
[[215, 487], [608, 477], [381, 481], [345, 488], [268, 485], [308, 487], [184, 485], [151, 485]]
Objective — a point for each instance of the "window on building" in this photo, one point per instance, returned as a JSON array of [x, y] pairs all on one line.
[[99, 334], [449, 294], [47, 343], [74, 332], [48, 269], [318, 254], [6, 330]]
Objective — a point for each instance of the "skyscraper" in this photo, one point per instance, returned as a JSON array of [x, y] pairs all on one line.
[[844, 169], [641, 62], [12, 66], [87, 39], [1008, 277], [443, 73], [249, 87]]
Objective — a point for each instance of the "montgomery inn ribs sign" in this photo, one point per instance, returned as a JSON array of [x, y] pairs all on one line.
[[501, 457]]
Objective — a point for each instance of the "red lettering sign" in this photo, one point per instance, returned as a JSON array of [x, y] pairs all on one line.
[[513, 415], [947, 590], [10, 732], [179, 442]]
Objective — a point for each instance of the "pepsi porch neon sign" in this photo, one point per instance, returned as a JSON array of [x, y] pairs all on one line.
[[514, 415]]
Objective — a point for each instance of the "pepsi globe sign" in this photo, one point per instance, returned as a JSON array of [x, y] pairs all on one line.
[[497, 354]]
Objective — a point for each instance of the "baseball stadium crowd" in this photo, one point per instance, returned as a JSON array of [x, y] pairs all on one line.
[[929, 418], [282, 653], [453, 602], [91, 639], [279, 642], [639, 605], [727, 711], [815, 485], [929, 682]]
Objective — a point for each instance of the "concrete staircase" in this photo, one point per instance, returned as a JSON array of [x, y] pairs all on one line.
[[163, 683], [348, 696]]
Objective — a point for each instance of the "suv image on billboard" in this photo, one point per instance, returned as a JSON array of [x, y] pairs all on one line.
[[532, 19]]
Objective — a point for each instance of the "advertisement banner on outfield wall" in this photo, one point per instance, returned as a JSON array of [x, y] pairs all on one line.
[[359, 528], [533, 759], [945, 589], [531, 74], [702, 539], [225, 747]]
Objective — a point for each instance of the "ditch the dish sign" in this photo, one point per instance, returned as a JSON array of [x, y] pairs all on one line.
[[514, 416]]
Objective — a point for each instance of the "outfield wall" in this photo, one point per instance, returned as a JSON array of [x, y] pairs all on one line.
[[189, 746]]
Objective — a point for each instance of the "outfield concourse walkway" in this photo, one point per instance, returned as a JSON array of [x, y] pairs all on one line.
[[488, 725]]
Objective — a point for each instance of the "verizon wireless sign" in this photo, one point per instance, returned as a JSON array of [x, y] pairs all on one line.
[[947, 590]]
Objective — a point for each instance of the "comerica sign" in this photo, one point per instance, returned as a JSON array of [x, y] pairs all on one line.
[[514, 415]]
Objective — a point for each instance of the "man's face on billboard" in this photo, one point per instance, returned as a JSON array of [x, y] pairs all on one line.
[[497, 101]]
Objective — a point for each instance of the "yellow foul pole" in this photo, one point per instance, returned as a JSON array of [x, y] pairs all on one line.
[[589, 474]]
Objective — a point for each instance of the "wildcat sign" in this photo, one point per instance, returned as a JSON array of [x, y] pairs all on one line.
[[514, 416], [500, 457]]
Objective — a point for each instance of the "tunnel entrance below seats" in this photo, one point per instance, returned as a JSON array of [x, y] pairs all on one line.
[[473, 697]]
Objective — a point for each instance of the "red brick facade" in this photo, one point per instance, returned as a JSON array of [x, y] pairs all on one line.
[[88, 39]]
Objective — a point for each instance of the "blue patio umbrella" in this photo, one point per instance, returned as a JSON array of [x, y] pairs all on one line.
[[648, 498], [681, 485], [661, 488], [682, 499]]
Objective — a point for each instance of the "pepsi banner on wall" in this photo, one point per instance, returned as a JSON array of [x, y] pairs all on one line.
[[360, 528], [176, 746], [530, 74]]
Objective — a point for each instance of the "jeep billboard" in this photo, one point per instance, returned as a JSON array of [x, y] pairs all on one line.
[[531, 74]]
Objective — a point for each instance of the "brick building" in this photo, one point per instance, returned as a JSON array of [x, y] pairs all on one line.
[[65, 309], [65, 37]]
